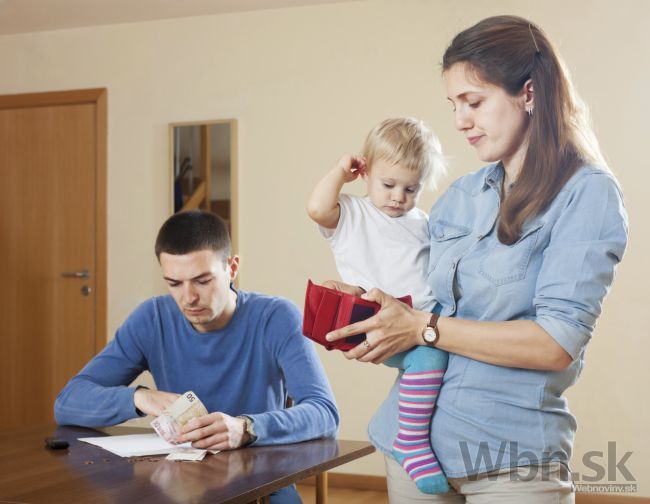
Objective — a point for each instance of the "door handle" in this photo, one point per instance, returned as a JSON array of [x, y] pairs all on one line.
[[84, 273]]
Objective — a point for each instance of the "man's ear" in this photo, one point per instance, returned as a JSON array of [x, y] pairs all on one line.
[[233, 267]]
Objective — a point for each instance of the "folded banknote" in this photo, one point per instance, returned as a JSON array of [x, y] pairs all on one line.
[[187, 454]]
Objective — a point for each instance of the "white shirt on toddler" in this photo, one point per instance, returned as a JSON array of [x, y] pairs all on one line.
[[372, 249]]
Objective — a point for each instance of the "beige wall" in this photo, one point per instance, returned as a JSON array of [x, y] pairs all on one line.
[[305, 85]]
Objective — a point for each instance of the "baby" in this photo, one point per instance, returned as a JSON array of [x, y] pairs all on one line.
[[382, 241]]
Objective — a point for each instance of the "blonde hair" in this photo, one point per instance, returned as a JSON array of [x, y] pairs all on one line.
[[408, 141]]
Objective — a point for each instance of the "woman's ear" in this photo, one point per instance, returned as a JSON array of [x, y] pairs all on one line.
[[529, 97]]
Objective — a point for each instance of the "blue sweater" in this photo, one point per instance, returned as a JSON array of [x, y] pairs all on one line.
[[248, 367]]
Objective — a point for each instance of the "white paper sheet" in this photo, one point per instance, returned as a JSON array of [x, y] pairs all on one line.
[[134, 445]]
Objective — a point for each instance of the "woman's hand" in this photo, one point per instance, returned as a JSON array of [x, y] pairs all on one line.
[[395, 328]]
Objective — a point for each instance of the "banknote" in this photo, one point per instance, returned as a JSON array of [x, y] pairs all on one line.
[[168, 425], [188, 454]]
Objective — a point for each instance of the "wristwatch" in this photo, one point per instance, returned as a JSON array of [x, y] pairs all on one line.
[[249, 428], [430, 334]]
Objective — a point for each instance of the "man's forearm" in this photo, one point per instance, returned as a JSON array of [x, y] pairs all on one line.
[[311, 419], [85, 403]]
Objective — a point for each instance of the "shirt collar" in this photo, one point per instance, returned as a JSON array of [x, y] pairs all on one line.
[[494, 177]]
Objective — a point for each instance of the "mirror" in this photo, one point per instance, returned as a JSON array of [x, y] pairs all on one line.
[[204, 168]]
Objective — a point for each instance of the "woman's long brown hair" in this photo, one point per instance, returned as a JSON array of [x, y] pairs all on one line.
[[507, 51]]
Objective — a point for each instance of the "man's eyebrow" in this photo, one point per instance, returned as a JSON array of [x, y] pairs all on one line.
[[197, 277]]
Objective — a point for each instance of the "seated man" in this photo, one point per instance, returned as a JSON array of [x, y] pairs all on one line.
[[242, 353]]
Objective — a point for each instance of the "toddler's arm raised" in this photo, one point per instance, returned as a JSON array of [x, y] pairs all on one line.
[[323, 206]]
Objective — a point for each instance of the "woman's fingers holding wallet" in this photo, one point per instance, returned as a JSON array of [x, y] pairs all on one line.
[[395, 328], [353, 330]]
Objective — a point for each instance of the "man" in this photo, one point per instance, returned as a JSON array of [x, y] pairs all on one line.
[[242, 353]]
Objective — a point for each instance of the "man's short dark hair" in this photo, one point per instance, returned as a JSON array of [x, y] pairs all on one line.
[[192, 231]]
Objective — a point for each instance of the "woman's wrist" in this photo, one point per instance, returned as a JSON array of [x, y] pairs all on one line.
[[421, 322]]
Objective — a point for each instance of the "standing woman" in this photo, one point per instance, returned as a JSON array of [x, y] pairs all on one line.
[[523, 253]]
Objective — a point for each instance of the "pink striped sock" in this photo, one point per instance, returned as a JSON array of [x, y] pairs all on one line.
[[418, 392]]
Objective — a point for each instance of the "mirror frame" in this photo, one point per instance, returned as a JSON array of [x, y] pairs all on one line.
[[234, 172]]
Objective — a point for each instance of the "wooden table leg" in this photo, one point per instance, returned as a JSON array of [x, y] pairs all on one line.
[[321, 488]]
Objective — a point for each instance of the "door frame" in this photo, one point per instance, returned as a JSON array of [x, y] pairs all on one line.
[[97, 97]]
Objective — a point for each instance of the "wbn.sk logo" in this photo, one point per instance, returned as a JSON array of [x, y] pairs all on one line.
[[604, 465]]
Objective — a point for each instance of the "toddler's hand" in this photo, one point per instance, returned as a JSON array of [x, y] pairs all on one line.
[[352, 167]]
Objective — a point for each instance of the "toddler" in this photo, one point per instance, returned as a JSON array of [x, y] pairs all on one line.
[[382, 241]]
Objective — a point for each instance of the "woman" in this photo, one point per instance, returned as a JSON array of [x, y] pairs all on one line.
[[522, 254]]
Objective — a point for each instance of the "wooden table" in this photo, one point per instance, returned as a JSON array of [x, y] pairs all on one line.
[[30, 473]]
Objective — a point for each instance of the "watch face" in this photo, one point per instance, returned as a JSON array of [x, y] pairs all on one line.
[[429, 335]]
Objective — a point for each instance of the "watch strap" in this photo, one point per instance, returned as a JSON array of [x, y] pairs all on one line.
[[249, 428], [139, 413], [433, 322]]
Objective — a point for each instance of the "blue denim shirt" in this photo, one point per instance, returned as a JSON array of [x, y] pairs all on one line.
[[557, 274]]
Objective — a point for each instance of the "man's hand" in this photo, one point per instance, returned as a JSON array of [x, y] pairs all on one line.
[[215, 431], [153, 402]]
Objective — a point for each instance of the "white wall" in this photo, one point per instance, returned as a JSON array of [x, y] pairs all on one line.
[[306, 84]]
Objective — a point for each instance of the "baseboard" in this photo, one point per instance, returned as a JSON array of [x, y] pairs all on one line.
[[587, 498], [378, 483]]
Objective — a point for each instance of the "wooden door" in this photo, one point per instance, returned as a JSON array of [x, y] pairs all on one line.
[[52, 222]]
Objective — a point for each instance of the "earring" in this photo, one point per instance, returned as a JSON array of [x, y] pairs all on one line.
[[530, 111]]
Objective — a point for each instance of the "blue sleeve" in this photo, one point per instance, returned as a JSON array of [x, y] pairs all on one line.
[[99, 395], [314, 414], [587, 242]]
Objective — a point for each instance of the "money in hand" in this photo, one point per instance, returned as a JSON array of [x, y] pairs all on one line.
[[169, 424]]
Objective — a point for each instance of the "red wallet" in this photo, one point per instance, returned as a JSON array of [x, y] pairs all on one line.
[[328, 309]]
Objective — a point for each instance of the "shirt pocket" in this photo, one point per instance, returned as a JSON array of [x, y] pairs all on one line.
[[504, 264], [444, 235], [446, 247]]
